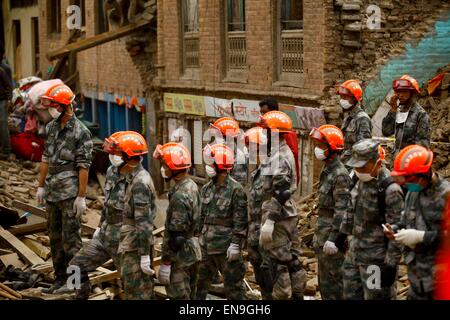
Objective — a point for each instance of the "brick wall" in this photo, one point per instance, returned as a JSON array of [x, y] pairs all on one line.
[[355, 51], [105, 68], [261, 76]]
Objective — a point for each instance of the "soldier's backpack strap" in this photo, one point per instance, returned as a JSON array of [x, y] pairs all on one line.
[[382, 186]]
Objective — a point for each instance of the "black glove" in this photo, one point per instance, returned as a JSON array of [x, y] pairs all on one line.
[[282, 193], [388, 276], [176, 241], [341, 242]]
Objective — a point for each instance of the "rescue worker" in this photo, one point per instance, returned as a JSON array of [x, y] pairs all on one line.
[[376, 200], [334, 199], [256, 141], [406, 120], [270, 104], [136, 237], [419, 229], [356, 125], [279, 234], [63, 179], [180, 250], [228, 132], [105, 241], [223, 225]]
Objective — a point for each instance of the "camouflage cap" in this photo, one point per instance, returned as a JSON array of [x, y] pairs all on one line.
[[362, 152]]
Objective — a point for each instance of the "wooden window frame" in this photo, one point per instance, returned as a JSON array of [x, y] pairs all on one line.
[[189, 39], [283, 40], [236, 66], [54, 23]]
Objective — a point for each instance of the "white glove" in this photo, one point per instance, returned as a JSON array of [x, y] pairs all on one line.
[[79, 206], [164, 274], [233, 252], [330, 248], [96, 233], [409, 237], [146, 266], [40, 195], [266, 232]]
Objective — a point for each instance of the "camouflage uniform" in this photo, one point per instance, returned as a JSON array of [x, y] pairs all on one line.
[[369, 248], [66, 150], [284, 250], [259, 259], [356, 126], [223, 221], [334, 199], [240, 169], [423, 211], [183, 215], [415, 130], [136, 237], [100, 250]]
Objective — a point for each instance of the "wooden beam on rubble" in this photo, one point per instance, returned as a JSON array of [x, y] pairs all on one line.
[[22, 250], [43, 214], [98, 39]]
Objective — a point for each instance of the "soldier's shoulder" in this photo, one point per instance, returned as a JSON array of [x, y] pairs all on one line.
[[207, 186], [187, 189], [362, 116], [235, 185], [444, 187], [82, 127], [143, 177]]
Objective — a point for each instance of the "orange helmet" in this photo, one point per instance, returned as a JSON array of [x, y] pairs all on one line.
[[329, 134], [175, 155], [256, 135], [59, 93], [351, 88], [129, 142], [406, 83], [227, 126], [219, 154], [412, 159], [277, 121]]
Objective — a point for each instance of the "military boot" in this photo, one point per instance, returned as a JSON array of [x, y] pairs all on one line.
[[58, 284], [84, 292]]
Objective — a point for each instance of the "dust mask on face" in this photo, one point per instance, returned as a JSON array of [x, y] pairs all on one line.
[[164, 173], [345, 104], [115, 160], [401, 117], [319, 153], [210, 171], [364, 177], [54, 113]]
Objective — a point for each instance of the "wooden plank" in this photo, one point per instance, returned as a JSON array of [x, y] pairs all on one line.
[[22, 250], [105, 277], [98, 40], [7, 295], [28, 229], [11, 259], [40, 212], [158, 231], [10, 291], [38, 248]]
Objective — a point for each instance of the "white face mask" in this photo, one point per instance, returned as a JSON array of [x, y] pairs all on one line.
[[210, 171], [401, 117], [164, 173], [345, 104], [319, 153], [115, 160], [54, 113], [364, 177]]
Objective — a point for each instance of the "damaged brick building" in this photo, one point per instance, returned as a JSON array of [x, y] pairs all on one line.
[[197, 60]]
